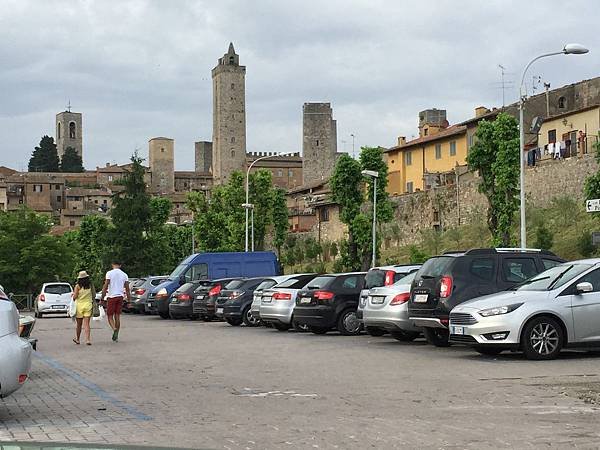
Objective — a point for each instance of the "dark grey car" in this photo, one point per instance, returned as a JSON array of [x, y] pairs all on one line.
[[141, 290]]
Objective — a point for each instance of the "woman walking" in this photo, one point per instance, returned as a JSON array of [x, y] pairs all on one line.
[[84, 302]]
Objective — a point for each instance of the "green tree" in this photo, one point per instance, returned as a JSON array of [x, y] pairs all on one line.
[[495, 155], [31, 256], [279, 219], [584, 244], [544, 238], [261, 196], [591, 187], [45, 156], [71, 161], [131, 216], [416, 255]]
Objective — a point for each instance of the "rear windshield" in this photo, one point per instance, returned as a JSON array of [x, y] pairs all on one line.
[[185, 287], [319, 282], [375, 278], [296, 283], [265, 285], [158, 281], [435, 267], [407, 279], [58, 289], [233, 284], [138, 283]]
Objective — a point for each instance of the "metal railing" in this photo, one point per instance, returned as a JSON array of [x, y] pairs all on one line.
[[24, 302]]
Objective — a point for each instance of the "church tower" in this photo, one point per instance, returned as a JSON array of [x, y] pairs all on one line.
[[229, 117], [69, 132]]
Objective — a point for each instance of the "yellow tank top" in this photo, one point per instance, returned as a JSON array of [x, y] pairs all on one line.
[[85, 296]]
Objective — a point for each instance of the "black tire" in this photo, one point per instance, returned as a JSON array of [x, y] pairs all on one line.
[[234, 322], [404, 336], [318, 330], [488, 351], [164, 315], [348, 323], [207, 318], [248, 319], [299, 327], [194, 317], [375, 332], [542, 338], [437, 336], [282, 326]]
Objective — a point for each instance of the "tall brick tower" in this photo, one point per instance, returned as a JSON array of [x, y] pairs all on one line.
[[319, 142], [229, 116], [161, 152], [69, 132]]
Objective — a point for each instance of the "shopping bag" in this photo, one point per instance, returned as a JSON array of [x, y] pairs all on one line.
[[72, 308], [101, 316], [95, 309]]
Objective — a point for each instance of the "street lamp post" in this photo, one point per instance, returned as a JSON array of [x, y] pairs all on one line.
[[353, 154], [249, 205], [373, 174], [569, 49]]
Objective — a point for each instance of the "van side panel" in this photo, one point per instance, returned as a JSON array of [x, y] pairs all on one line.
[[238, 264]]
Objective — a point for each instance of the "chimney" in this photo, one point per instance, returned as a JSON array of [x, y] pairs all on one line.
[[480, 111], [401, 141], [108, 164]]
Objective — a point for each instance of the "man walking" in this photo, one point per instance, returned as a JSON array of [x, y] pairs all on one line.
[[116, 284]]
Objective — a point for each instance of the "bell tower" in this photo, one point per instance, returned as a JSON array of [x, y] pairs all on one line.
[[69, 132]]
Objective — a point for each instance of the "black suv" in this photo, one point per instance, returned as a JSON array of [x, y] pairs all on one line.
[[329, 302], [452, 278], [206, 298], [233, 303]]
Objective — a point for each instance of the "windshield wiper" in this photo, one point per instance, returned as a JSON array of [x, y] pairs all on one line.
[[558, 278], [526, 282]]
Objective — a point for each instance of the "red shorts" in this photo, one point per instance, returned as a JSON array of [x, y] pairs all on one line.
[[114, 306]]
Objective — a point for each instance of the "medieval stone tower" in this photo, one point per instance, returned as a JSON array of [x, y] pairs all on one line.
[[161, 155], [229, 117], [69, 132], [319, 142]]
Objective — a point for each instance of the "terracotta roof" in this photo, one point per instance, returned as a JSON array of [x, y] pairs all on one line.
[[450, 131], [493, 113], [82, 192], [6, 171]]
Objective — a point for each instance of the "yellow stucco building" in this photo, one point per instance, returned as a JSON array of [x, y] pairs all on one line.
[[578, 129], [439, 149]]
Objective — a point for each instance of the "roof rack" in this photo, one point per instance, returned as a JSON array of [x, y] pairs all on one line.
[[487, 251], [453, 252], [406, 265]]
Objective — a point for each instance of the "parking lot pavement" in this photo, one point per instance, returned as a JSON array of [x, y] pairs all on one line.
[[210, 385]]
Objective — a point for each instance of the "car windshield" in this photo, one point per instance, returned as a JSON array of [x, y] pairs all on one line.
[[406, 279], [319, 282], [233, 284], [57, 289], [179, 270], [553, 278], [436, 266]]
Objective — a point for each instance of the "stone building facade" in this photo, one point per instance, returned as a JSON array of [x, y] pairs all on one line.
[[69, 132], [203, 156], [229, 117], [286, 171], [161, 156], [319, 142]]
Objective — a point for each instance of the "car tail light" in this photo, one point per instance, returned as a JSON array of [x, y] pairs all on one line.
[[140, 291], [400, 299], [444, 321], [389, 277], [282, 296], [445, 287], [215, 290], [323, 295], [42, 298], [22, 378], [236, 294], [183, 297]]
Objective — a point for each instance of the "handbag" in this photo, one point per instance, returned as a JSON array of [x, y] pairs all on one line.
[[95, 305]]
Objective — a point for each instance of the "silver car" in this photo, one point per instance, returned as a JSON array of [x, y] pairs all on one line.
[[260, 290], [278, 303], [378, 277], [15, 353], [54, 298], [556, 309], [386, 309]]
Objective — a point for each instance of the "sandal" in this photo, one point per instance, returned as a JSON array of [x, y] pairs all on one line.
[[76, 341], [88, 343]]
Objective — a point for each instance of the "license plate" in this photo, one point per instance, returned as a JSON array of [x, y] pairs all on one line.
[[421, 298], [200, 297], [377, 300], [150, 304], [58, 307], [219, 310], [266, 299], [305, 300], [458, 330]]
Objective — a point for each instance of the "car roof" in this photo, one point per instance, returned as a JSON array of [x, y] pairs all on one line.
[[57, 283], [341, 274], [396, 266], [584, 261]]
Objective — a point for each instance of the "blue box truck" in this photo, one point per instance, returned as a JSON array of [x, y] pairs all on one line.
[[211, 266]]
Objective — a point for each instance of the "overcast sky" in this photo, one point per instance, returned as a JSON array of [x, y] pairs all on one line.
[[141, 68]]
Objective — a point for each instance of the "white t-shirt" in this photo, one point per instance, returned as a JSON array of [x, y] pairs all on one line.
[[116, 285]]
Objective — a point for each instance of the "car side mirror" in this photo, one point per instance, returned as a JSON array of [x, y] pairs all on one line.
[[584, 287]]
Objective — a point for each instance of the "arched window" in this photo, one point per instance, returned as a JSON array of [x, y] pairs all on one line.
[[58, 131], [232, 139], [232, 86], [233, 153], [231, 60], [72, 130], [562, 102]]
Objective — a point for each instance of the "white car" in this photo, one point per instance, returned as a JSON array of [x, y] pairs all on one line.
[[557, 309], [54, 298], [15, 353]]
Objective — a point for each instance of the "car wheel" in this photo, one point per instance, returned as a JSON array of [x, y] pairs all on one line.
[[318, 330], [374, 331], [404, 336], [488, 351], [300, 327], [234, 322], [164, 315], [542, 338], [249, 319], [193, 316], [282, 326], [437, 336], [207, 318], [348, 323]]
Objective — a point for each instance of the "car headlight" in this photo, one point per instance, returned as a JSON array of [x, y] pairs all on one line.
[[498, 310]]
